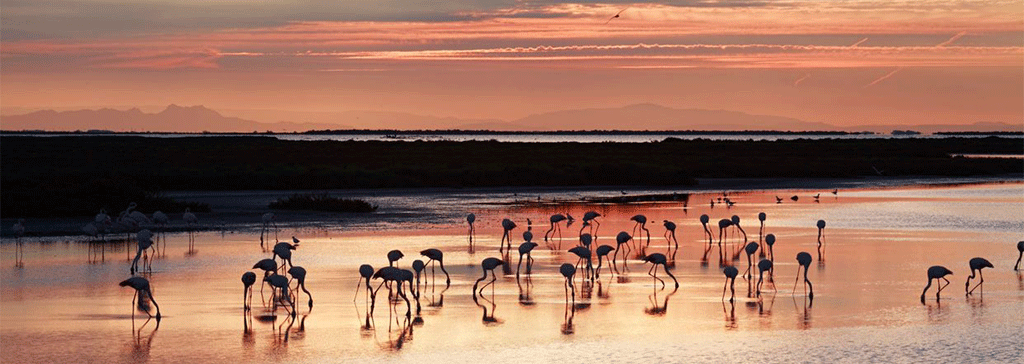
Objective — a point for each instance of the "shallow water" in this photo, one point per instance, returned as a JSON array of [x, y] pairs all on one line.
[[60, 307]]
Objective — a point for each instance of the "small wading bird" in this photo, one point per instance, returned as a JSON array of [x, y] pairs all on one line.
[[936, 273], [730, 281], [657, 259], [488, 265], [141, 285], [976, 264], [804, 260]]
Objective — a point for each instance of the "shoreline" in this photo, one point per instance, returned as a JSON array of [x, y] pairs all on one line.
[[241, 210]]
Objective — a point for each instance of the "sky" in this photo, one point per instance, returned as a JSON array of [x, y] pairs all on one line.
[[845, 62]]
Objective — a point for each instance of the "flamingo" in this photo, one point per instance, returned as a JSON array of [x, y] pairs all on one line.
[[760, 233], [659, 259], [568, 271], [507, 225], [641, 222], [736, 222], [602, 252], [190, 218], [764, 265], [591, 217], [279, 283], [704, 219], [586, 240], [160, 218], [268, 220], [365, 273], [670, 236], [144, 243], [821, 235], [487, 265], [390, 275], [936, 272], [555, 219], [620, 239], [141, 285], [750, 249], [435, 255], [268, 266], [299, 275], [977, 264], [1020, 250], [19, 231], [283, 250], [394, 256], [804, 260], [722, 225], [248, 279], [525, 249], [730, 281], [584, 255], [769, 240], [528, 235], [470, 219]]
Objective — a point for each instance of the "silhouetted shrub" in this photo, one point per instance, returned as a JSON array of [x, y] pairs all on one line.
[[321, 202]]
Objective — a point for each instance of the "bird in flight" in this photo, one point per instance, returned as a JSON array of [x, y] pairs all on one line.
[[616, 15]]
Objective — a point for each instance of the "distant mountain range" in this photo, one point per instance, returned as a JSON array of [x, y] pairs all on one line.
[[632, 117]]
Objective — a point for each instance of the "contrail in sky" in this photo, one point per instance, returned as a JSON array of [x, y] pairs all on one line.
[[880, 79], [859, 42], [803, 78], [951, 40]]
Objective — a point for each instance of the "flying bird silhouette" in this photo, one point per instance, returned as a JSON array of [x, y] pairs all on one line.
[[614, 17]]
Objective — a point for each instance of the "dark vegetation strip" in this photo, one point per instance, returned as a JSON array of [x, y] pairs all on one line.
[[67, 176], [321, 202]]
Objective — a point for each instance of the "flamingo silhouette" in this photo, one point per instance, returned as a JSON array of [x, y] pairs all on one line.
[[602, 252], [525, 249], [555, 220], [764, 265], [670, 236], [659, 259], [365, 274], [977, 264], [736, 222], [436, 257], [936, 272], [769, 240], [386, 275], [394, 256], [283, 250], [268, 221], [750, 249], [191, 221], [528, 235], [279, 283], [722, 225], [591, 217], [584, 255], [141, 285], [620, 239], [507, 225], [730, 281], [299, 275], [18, 230], [417, 267], [804, 260], [704, 219], [488, 265], [568, 271], [641, 223], [268, 266], [470, 219], [145, 241], [1020, 253], [248, 279], [760, 233], [821, 237]]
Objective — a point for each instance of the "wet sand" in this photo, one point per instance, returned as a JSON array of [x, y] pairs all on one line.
[[60, 307]]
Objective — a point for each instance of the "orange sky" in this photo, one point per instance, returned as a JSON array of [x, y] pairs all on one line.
[[844, 62]]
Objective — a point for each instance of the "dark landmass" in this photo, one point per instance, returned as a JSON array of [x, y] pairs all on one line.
[[321, 202], [1008, 133], [78, 175]]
